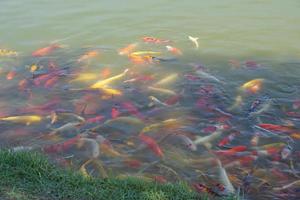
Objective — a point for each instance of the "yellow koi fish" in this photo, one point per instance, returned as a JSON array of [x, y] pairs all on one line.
[[27, 119], [166, 123], [253, 86], [162, 90], [141, 53], [103, 83], [167, 80], [5, 52], [85, 77]]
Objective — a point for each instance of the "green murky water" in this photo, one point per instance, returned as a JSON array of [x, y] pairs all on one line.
[[149, 120]]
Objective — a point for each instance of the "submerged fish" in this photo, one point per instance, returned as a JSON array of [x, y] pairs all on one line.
[[155, 40], [103, 83], [259, 106], [27, 119], [195, 41], [253, 86], [127, 50], [174, 50], [167, 80], [46, 50], [152, 144], [6, 52]]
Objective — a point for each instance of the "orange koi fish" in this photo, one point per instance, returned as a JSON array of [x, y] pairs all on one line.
[[51, 82], [174, 50], [88, 55], [95, 119], [45, 50], [276, 128], [55, 148], [152, 144], [23, 84], [105, 73], [11, 75], [155, 40], [127, 50]]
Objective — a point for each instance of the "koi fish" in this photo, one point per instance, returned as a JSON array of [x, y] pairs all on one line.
[[255, 139], [173, 100], [106, 147], [276, 128], [11, 75], [142, 78], [45, 50], [67, 126], [156, 101], [259, 106], [224, 178], [162, 90], [234, 63], [296, 104], [105, 72], [228, 139], [111, 91], [155, 40], [252, 86], [56, 148], [232, 151], [127, 50], [141, 53], [92, 146], [167, 80], [203, 188], [133, 163], [174, 50], [103, 83], [5, 52], [96, 119], [83, 77], [23, 84], [27, 119], [151, 143], [188, 142], [51, 82], [88, 55], [251, 64], [205, 75], [115, 113], [286, 152], [132, 110], [207, 139], [140, 60], [194, 40], [165, 123], [237, 102]]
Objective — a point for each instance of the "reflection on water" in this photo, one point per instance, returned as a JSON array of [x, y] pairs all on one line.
[[105, 98]]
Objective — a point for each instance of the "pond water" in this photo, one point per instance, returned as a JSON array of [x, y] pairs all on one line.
[[114, 88]]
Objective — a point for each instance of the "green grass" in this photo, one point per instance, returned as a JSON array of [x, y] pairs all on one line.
[[31, 176]]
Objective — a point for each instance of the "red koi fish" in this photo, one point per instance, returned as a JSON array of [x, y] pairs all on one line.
[[96, 119], [133, 163], [160, 179], [227, 139], [276, 128], [293, 114], [132, 110], [203, 188], [41, 108], [45, 50], [251, 64], [11, 75], [155, 40], [114, 113], [55, 148], [152, 144], [51, 82], [105, 73], [173, 100], [232, 151]]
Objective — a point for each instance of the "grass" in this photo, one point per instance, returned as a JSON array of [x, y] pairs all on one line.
[[25, 176]]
